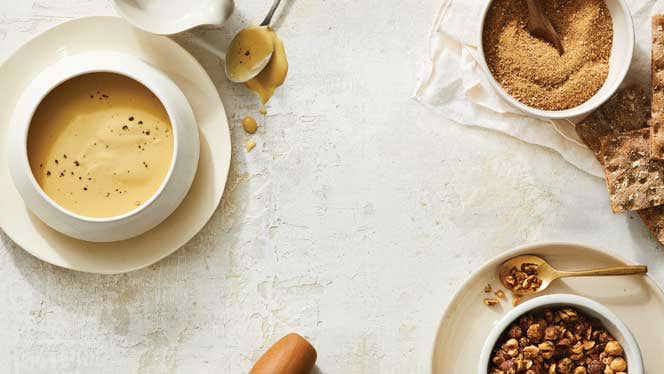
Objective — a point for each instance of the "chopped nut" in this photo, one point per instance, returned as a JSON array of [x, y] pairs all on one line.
[[491, 302], [500, 294], [523, 279], [487, 288], [249, 145]]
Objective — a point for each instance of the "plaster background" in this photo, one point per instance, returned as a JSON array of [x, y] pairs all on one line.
[[352, 222]]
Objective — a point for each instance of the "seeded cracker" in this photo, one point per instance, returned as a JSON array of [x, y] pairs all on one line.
[[633, 179], [628, 109], [657, 135]]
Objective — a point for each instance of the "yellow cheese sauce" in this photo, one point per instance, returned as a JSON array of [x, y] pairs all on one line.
[[274, 73], [100, 144]]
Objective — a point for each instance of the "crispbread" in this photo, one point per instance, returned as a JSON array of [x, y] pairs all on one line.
[[628, 109], [657, 124], [654, 220], [634, 180]]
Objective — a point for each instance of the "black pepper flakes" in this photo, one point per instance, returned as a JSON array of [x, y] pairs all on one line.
[[48, 173], [131, 118]]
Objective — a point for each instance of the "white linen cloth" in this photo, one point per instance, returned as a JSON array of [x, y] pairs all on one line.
[[454, 85]]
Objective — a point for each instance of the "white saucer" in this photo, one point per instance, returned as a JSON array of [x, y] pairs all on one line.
[[114, 34]]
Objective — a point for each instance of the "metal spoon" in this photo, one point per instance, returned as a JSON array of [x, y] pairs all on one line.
[[265, 47], [548, 274], [540, 26]]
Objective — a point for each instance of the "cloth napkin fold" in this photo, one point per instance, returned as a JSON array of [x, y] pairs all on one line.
[[455, 86]]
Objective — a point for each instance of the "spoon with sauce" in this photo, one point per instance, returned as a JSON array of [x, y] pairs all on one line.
[[540, 26], [547, 273], [251, 50]]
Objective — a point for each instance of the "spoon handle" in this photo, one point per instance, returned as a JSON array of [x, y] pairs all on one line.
[[615, 270], [270, 13]]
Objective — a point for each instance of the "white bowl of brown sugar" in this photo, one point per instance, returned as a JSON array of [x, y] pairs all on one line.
[[530, 73]]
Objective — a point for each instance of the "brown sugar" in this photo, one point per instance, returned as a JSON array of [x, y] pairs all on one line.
[[531, 70]]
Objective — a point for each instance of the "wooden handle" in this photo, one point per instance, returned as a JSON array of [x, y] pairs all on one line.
[[539, 25], [615, 270], [292, 354]]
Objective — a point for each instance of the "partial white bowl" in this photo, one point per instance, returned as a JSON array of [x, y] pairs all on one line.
[[619, 64], [611, 322], [172, 190], [173, 16]]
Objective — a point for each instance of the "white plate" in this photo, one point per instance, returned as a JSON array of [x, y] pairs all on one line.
[[114, 34], [466, 323]]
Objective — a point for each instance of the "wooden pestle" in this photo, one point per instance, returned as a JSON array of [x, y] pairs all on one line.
[[291, 354]]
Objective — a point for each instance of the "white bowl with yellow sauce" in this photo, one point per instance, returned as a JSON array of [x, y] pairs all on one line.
[[103, 146]]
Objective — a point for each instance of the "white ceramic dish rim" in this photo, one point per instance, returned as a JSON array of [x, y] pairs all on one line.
[[627, 340], [579, 110], [493, 262], [131, 75], [225, 7]]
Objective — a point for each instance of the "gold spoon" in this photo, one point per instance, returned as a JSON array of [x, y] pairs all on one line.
[[548, 273], [250, 50], [540, 26]]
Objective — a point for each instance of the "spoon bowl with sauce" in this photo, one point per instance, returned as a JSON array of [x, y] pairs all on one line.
[[538, 274], [257, 57]]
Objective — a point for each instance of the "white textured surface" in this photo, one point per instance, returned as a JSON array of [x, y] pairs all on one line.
[[352, 221]]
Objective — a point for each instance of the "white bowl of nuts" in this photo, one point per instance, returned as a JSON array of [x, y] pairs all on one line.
[[560, 333]]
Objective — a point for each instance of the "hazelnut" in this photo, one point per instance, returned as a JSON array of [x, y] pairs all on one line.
[[508, 366], [618, 364], [498, 358], [613, 348], [565, 366], [580, 370], [534, 332], [515, 332], [511, 347], [546, 349], [604, 337], [530, 351], [564, 342], [595, 367], [551, 333]]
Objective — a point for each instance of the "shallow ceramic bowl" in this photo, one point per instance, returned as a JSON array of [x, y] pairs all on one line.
[[619, 64], [172, 190], [591, 308]]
